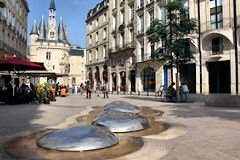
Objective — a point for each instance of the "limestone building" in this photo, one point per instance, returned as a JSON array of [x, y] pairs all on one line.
[[49, 45], [77, 60], [216, 69], [13, 28], [97, 44]]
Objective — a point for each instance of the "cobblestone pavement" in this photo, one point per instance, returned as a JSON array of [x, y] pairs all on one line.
[[213, 132]]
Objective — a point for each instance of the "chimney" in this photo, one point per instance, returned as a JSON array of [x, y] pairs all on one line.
[[66, 32]]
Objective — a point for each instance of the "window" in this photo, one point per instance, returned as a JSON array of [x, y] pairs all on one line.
[[163, 15], [13, 3], [52, 34], [115, 4], [151, 14], [96, 53], [13, 21], [96, 36], [115, 22], [141, 3], [90, 56], [105, 17], [217, 46], [123, 17], [123, 40], [141, 24], [216, 14], [48, 55], [104, 51], [132, 37], [132, 12], [152, 50], [104, 33], [9, 17], [142, 51], [90, 39], [97, 21], [20, 11]]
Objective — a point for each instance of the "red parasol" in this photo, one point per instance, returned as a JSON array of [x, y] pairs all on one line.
[[18, 64]]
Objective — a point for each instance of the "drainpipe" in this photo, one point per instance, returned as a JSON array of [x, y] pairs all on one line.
[[235, 42], [199, 45]]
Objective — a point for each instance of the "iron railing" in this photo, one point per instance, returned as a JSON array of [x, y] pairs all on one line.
[[4, 46]]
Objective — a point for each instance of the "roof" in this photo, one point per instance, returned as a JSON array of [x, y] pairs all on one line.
[[52, 5], [76, 52]]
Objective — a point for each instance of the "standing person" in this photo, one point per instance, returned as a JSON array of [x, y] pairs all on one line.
[[81, 88], [98, 88], [85, 90], [76, 89], [87, 87], [105, 88], [57, 85]]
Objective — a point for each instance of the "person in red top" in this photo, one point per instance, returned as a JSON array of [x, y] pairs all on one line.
[[170, 87]]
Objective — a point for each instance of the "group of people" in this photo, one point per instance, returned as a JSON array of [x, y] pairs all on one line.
[[86, 89]]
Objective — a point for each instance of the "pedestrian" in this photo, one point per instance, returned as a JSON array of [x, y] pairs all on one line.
[[98, 88], [76, 89], [88, 90], [57, 87], [81, 88], [85, 90], [105, 89]]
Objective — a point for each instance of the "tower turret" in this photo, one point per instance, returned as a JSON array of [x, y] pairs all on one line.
[[42, 30], [61, 31]]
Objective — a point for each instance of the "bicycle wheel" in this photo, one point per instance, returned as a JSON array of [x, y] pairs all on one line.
[[183, 97], [157, 96]]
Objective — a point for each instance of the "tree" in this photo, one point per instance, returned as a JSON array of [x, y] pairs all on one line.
[[175, 36]]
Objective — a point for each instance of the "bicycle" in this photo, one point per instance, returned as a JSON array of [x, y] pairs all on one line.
[[161, 94]]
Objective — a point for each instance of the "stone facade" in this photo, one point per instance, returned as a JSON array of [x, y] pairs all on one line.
[[77, 60], [13, 29], [97, 44], [50, 46], [129, 67]]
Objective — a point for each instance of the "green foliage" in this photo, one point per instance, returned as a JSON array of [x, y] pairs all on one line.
[[174, 35], [42, 91]]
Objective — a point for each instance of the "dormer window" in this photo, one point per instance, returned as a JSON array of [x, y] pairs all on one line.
[[52, 34]]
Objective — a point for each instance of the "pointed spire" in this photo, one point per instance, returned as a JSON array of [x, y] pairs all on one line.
[[42, 30], [52, 5], [34, 28], [61, 31]]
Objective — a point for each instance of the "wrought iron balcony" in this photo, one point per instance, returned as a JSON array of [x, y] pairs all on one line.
[[4, 46]]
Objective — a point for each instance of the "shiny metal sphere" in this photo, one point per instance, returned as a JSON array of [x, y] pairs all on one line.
[[80, 138], [123, 107], [117, 121]]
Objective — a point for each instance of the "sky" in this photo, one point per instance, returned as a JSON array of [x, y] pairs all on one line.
[[73, 13]]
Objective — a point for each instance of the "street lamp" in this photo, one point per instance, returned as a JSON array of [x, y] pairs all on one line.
[[2, 5]]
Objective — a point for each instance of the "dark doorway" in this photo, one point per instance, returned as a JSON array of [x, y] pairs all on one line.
[[123, 81], [133, 80], [188, 75], [219, 77], [114, 81], [148, 79]]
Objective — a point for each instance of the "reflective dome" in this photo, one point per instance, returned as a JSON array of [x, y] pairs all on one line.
[[78, 138], [123, 107], [117, 121]]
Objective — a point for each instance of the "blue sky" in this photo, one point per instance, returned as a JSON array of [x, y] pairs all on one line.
[[73, 12]]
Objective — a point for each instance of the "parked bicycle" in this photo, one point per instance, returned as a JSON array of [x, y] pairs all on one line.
[[164, 95]]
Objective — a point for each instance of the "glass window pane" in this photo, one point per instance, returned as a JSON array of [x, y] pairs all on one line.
[[220, 25], [213, 26], [220, 16], [212, 4], [219, 2], [213, 18]]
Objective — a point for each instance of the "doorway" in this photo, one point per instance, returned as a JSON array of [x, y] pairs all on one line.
[[219, 77], [188, 75]]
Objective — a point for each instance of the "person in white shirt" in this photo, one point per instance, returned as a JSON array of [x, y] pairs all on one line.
[[185, 88]]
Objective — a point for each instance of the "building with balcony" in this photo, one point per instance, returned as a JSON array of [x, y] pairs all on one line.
[[216, 68], [13, 29], [49, 45], [97, 44]]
